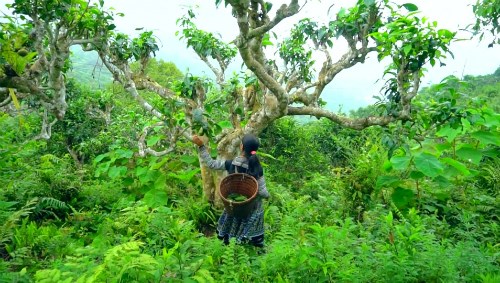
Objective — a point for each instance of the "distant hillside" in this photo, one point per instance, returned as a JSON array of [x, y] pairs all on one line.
[[485, 87], [88, 69]]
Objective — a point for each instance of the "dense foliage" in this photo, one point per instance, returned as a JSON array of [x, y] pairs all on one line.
[[369, 206], [101, 182]]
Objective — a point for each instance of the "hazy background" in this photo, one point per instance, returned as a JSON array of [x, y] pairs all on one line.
[[352, 88]]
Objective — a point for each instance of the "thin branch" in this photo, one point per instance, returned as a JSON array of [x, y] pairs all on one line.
[[219, 74], [173, 136], [83, 41], [46, 131], [283, 12], [353, 123], [144, 83]]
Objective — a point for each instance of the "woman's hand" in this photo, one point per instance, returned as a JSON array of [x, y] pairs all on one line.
[[197, 140]]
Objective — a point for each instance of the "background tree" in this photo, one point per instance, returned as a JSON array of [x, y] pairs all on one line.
[[487, 14], [266, 91]]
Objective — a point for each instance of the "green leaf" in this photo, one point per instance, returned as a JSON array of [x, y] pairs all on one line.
[[189, 159], [402, 197], [442, 182], [153, 140], [156, 198], [449, 133], [369, 2], [100, 157], [445, 33], [124, 153], [161, 182], [428, 164], [492, 152], [185, 176], [387, 181], [400, 162], [457, 165], [470, 154], [225, 124], [407, 49], [487, 137], [410, 7], [387, 166], [415, 175], [141, 171], [117, 171], [491, 120], [4, 205]]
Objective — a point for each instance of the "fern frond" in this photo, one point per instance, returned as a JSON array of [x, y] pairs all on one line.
[[48, 202]]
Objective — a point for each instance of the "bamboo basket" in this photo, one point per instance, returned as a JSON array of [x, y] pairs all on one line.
[[243, 184]]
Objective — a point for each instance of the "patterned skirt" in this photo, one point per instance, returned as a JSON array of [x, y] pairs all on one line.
[[249, 229]]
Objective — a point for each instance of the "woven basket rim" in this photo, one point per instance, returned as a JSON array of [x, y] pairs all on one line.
[[239, 175]]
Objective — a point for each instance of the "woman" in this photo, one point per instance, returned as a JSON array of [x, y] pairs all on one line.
[[249, 229]]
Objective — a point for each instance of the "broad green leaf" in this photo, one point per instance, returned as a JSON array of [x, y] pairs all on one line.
[[443, 146], [402, 197], [457, 165], [428, 164], [492, 152], [410, 7], [415, 175], [185, 176], [161, 182], [400, 162], [442, 182], [141, 171], [156, 198], [225, 124], [100, 157], [445, 33], [465, 125], [449, 133], [387, 181], [117, 171], [491, 120], [160, 164], [124, 153], [470, 154], [153, 140], [189, 159], [487, 137]]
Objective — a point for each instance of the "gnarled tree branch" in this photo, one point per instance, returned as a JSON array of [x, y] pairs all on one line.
[[353, 123]]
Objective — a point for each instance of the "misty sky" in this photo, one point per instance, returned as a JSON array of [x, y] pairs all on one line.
[[351, 88]]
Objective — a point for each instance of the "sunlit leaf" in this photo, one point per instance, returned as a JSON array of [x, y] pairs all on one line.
[[410, 7], [117, 171], [400, 162], [428, 164], [470, 154], [448, 132], [153, 140], [156, 198], [457, 165], [487, 137]]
